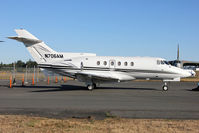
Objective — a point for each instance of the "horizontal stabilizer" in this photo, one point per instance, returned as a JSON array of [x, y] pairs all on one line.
[[26, 40]]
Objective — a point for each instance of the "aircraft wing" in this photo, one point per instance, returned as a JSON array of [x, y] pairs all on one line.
[[103, 76]]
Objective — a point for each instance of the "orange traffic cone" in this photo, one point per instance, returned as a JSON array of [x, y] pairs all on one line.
[[23, 80], [33, 80], [10, 81], [56, 79], [64, 79]]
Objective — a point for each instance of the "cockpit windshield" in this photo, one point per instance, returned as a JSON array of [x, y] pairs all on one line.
[[162, 62], [166, 62]]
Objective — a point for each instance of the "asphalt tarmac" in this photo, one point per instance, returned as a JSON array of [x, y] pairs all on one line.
[[128, 100]]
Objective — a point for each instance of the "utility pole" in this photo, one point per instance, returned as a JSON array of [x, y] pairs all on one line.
[[178, 63], [178, 54]]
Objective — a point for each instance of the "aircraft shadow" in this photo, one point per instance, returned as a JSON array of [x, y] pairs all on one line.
[[35, 86], [81, 88], [195, 89]]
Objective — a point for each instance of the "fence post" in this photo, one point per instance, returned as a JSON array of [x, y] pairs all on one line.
[[52, 79], [34, 75], [48, 80], [37, 74], [14, 75], [26, 76]]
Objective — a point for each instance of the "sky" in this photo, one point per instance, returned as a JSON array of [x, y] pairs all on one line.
[[105, 27]]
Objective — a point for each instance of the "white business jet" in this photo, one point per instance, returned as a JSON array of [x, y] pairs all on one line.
[[94, 70]]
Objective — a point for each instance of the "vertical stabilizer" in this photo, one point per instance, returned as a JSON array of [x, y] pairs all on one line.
[[37, 48]]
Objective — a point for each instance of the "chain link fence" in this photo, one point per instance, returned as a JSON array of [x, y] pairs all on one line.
[[28, 75], [19, 73]]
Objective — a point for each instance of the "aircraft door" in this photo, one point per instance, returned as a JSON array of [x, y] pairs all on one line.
[[112, 63]]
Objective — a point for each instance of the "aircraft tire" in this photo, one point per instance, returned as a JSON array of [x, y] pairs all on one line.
[[165, 88], [90, 87]]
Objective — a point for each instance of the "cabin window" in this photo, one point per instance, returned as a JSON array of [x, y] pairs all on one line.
[[98, 63], [105, 63], [119, 63], [112, 63], [125, 63], [132, 63]]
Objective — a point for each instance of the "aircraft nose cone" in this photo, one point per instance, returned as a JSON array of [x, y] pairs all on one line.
[[193, 74]]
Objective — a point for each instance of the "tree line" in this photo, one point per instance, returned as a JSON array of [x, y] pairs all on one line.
[[20, 63]]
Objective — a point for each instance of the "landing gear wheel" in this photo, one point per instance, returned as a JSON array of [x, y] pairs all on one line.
[[165, 88], [90, 87]]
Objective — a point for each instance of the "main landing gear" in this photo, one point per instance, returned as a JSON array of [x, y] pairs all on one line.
[[165, 87], [91, 86]]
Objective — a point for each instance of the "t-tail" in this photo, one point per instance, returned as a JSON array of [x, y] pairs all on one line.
[[40, 52]]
